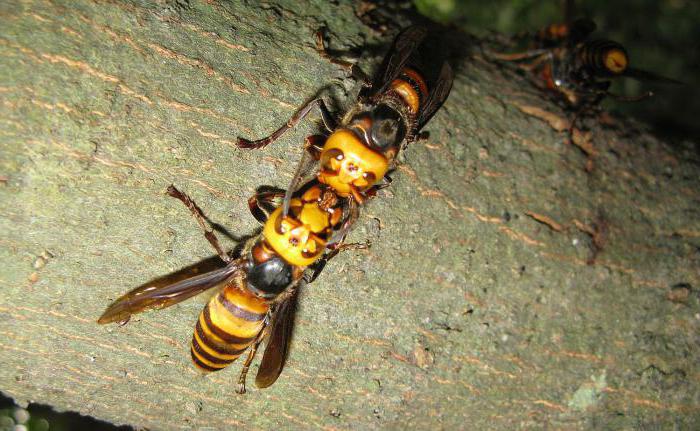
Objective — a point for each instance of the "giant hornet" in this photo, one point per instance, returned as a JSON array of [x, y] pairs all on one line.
[[259, 289], [355, 155], [577, 69]]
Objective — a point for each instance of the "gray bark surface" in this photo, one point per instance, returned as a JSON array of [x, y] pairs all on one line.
[[475, 308]]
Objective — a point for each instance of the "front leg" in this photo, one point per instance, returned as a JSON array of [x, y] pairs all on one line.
[[334, 250], [384, 183], [200, 217], [262, 204], [314, 145], [326, 116]]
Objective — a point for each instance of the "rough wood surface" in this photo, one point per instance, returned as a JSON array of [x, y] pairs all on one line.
[[480, 305]]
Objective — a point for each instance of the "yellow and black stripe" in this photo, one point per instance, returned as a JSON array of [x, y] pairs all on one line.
[[411, 87], [603, 57], [227, 327]]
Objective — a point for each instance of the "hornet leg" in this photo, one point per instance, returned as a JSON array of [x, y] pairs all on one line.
[[262, 204], [201, 219], [355, 71], [335, 249], [328, 121], [249, 360]]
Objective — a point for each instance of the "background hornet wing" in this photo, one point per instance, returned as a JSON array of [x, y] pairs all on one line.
[[149, 297], [643, 75]]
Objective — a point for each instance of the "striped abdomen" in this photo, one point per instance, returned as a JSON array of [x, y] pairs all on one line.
[[411, 87], [226, 327], [603, 57]]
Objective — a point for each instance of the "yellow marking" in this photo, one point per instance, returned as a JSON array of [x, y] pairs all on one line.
[[357, 160], [615, 61], [314, 217], [244, 299], [205, 362], [215, 339], [214, 353], [313, 194], [231, 324]]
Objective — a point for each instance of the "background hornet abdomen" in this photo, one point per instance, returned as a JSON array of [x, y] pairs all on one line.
[[227, 326]]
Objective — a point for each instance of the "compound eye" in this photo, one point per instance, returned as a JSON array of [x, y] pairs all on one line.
[[388, 128], [270, 278]]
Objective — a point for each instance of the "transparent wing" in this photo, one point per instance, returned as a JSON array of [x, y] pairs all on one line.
[[643, 75], [148, 296]]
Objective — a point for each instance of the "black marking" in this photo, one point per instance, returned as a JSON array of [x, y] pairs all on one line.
[[201, 364], [238, 311], [225, 336], [208, 356], [416, 87], [218, 347]]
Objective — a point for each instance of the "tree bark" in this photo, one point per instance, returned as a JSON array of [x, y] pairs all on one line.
[[514, 280]]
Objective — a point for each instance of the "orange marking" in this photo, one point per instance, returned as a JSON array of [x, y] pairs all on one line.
[[418, 78], [550, 405], [407, 93], [579, 355], [492, 174], [615, 61], [357, 160], [298, 238], [555, 121]]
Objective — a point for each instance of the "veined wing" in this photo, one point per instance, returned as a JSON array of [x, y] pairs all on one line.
[[440, 91], [643, 75], [148, 297], [404, 45], [277, 346]]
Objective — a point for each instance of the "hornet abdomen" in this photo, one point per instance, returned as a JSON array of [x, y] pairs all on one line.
[[227, 327]]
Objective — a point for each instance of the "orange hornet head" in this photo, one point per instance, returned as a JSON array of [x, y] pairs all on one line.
[[347, 163], [300, 238]]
